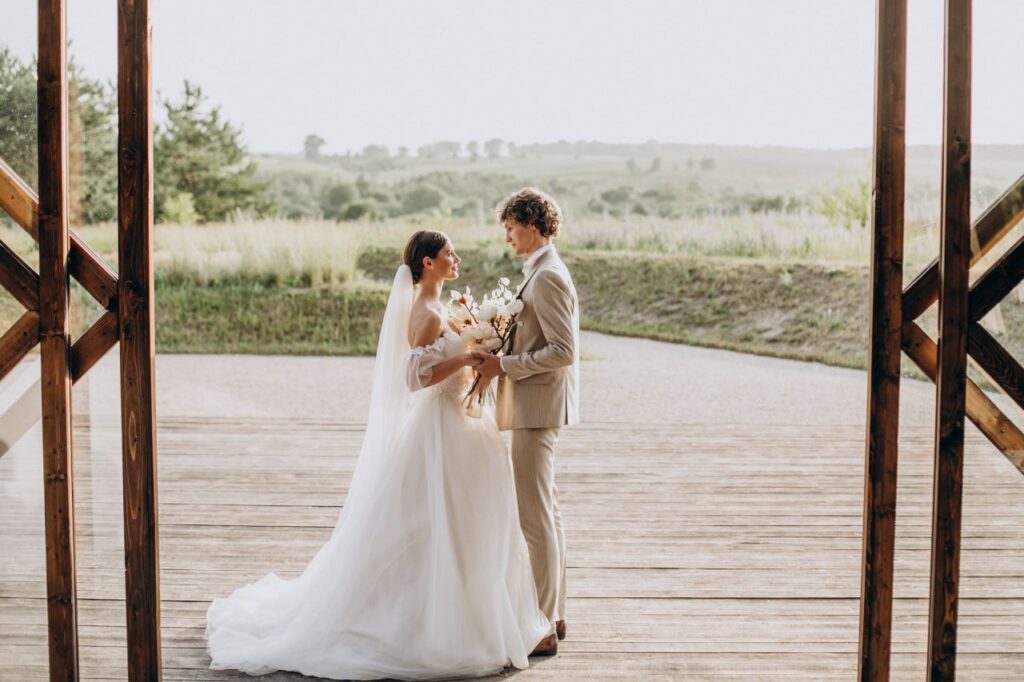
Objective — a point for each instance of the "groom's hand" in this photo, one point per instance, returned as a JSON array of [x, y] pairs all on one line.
[[490, 365]]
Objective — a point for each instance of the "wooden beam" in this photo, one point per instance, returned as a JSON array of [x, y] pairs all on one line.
[[18, 341], [886, 286], [982, 412], [991, 226], [997, 282], [137, 338], [999, 365], [18, 278], [54, 325], [951, 374], [93, 345], [22, 204], [92, 273], [18, 200]]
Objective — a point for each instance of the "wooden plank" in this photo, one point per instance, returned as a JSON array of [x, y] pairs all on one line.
[[997, 282], [998, 364], [22, 204], [54, 332], [18, 341], [18, 200], [18, 278], [982, 412], [680, 494], [137, 338], [93, 345], [951, 369], [886, 286], [991, 226]]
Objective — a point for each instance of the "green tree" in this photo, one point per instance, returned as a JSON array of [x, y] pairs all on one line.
[[92, 148], [18, 116], [311, 147], [617, 196], [363, 209], [199, 153], [845, 205], [493, 147], [336, 197], [376, 152], [421, 198], [92, 143]]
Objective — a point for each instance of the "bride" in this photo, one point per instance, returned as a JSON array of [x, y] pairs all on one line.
[[426, 573]]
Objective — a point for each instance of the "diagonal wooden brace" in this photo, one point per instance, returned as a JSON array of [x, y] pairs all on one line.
[[22, 204], [982, 412], [93, 345], [986, 232], [998, 364], [18, 341], [997, 282], [18, 278]]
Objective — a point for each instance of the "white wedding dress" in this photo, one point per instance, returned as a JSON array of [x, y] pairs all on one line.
[[427, 574]]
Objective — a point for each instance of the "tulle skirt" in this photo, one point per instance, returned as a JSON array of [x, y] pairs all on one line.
[[426, 574]]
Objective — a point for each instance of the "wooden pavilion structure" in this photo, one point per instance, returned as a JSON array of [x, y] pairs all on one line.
[[894, 329], [127, 297]]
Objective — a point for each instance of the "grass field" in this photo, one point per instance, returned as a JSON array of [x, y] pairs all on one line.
[[784, 285]]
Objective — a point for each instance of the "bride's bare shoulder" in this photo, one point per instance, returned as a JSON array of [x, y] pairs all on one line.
[[425, 324]]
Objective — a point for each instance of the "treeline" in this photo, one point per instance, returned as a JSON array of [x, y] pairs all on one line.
[[473, 194], [202, 168], [204, 173]]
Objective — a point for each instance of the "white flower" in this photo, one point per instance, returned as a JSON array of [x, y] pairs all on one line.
[[515, 307], [491, 344], [504, 281], [467, 336], [488, 311], [482, 331], [455, 294]]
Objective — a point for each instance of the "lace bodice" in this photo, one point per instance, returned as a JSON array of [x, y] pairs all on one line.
[[423, 358]]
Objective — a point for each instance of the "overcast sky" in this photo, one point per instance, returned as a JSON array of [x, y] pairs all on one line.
[[405, 72]]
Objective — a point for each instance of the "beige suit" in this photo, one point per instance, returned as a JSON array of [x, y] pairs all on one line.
[[539, 394]]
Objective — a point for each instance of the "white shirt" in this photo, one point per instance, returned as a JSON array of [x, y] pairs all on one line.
[[527, 271], [535, 256]]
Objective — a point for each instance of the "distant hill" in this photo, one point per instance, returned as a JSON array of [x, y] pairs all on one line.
[[661, 178]]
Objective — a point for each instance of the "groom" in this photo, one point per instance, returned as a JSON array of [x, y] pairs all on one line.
[[538, 390]]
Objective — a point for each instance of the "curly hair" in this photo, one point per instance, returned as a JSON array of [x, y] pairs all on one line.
[[423, 244], [532, 207]]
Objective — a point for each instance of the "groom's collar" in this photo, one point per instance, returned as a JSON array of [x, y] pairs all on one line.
[[535, 257]]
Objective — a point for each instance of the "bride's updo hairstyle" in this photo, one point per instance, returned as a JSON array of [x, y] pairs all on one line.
[[423, 244]]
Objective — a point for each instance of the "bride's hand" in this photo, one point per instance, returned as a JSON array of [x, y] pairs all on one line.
[[471, 360]]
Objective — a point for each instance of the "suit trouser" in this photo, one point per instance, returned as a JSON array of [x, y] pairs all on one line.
[[533, 461]]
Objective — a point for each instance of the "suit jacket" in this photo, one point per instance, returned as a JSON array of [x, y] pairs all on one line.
[[541, 386]]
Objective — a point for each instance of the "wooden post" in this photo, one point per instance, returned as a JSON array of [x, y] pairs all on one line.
[[56, 341], [951, 375], [136, 332], [886, 283]]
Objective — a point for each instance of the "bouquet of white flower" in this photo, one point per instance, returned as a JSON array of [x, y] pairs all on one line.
[[485, 326]]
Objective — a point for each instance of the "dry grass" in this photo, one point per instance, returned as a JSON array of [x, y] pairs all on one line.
[[318, 252]]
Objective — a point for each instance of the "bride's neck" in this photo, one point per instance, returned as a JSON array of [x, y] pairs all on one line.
[[431, 288]]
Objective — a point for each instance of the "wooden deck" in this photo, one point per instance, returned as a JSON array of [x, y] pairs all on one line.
[[712, 501]]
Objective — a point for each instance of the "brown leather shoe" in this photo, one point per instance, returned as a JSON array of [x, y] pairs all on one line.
[[560, 629], [546, 647]]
